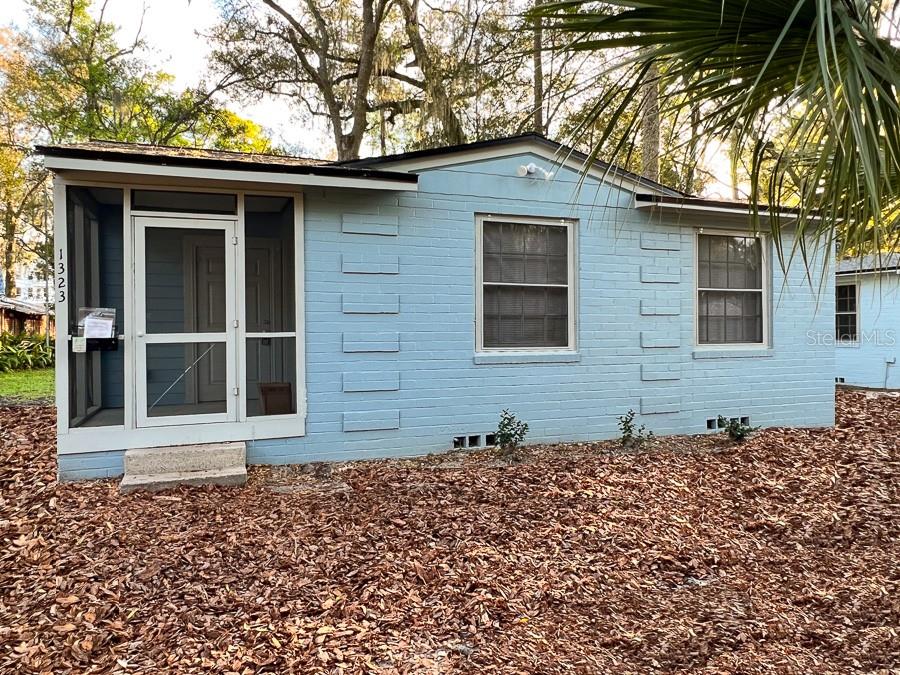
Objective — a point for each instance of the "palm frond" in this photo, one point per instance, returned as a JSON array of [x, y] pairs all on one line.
[[809, 87]]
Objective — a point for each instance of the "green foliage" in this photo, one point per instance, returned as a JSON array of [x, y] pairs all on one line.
[[807, 90], [79, 82], [633, 436], [737, 431], [23, 352], [511, 433], [69, 78]]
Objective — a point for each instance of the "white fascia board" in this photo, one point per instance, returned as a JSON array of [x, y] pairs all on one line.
[[710, 209], [61, 164], [859, 273], [611, 177]]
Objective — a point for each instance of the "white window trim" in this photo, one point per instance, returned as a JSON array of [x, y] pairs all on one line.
[[837, 341], [571, 226], [766, 292], [74, 440]]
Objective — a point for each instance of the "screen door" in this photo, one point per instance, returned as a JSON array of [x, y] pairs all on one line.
[[185, 320]]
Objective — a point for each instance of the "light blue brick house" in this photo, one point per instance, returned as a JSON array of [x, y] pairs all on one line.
[[867, 321], [395, 306]]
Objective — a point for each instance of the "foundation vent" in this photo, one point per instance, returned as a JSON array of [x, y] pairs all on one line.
[[714, 424], [474, 441]]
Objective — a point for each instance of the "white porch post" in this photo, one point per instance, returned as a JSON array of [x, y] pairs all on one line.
[[61, 282]]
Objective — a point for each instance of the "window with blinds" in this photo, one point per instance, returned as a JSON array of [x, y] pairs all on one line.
[[846, 317], [525, 285], [730, 290]]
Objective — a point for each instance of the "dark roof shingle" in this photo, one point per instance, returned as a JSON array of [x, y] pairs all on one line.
[[164, 151]]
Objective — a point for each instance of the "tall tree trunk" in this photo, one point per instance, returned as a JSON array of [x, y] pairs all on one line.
[[693, 161], [650, 126], [349, 143], [538, 57], [735, 158], [438, 104], [9, 248]]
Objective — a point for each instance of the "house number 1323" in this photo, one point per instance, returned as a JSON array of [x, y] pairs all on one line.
[[61, 278]]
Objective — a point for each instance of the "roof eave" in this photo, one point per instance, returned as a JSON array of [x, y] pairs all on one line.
[[701, 205], [873, 270], [61, 159]]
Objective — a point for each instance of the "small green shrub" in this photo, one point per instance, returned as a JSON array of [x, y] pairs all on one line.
[[23, 352], [633, 436], [511, 434], [737, 431]]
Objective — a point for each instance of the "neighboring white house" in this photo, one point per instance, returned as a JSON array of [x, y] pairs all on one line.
[[867, 321], [31, 285]]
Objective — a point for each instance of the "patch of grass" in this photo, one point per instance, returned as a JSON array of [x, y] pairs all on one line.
[[24, 386]]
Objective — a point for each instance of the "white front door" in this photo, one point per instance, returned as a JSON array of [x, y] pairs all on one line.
[[185, 271]]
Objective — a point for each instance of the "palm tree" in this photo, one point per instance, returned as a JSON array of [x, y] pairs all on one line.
[[807, 88]]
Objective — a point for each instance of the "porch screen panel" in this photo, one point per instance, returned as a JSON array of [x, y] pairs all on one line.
[[272, 366], [186, 379], [184, 202], [186, 283], [270, 305], [185, 302], [94, 277]]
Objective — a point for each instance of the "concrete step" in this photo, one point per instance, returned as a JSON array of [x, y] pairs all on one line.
[[235, 475], [185, 458]]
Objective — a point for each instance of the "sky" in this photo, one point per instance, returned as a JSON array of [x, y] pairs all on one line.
[[170, 29]]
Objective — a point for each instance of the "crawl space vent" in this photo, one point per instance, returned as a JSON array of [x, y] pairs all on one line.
[[714, 424], [474, 441]]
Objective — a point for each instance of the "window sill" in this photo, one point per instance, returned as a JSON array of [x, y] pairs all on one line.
[[734, 353], [495, 358], [847, 344]]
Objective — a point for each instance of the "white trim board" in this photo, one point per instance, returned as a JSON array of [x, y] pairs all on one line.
[[738, 212], [102, 439], [130, 170]]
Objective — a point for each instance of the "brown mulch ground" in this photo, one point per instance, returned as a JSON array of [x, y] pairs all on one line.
[[782, 554]]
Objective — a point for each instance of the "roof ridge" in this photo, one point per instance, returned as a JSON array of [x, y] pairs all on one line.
[[567, 152]]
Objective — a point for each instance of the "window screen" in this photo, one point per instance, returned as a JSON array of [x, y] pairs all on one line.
[[525, 272], [845, 313], [729, 290], [183, 202]]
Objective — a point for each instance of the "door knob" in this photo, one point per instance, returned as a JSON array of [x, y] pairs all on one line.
[[140, 334]]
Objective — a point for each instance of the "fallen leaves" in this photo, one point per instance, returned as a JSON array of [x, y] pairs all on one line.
[[776, 555]]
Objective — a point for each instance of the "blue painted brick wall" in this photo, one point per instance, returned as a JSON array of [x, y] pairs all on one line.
[[390, 310], [635, 329]]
